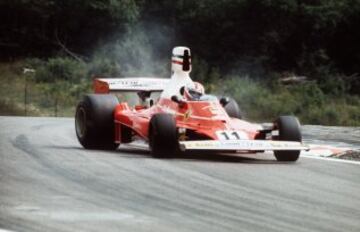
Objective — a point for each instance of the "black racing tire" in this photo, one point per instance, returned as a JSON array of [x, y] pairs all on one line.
[[163, 139], [289, 130], [94, 121], [232, 109]]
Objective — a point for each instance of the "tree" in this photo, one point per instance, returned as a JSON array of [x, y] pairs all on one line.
[[40, 27]]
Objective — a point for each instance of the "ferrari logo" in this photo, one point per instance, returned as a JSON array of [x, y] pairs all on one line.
[[187, 114]]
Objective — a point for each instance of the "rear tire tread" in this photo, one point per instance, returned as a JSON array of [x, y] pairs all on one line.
[[99, 124]]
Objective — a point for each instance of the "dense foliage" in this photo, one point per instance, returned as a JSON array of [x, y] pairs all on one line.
[[296, 35]]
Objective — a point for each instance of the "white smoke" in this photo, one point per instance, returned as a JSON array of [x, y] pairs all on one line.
[[145, 50]]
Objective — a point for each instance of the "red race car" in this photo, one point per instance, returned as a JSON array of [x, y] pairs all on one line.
[[175, 114]]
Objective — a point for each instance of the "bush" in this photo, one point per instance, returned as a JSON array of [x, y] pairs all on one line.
[[60, 68], [334, 85], [306, 101]]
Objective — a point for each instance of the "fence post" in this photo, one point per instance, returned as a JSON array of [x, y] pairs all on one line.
[[25, 71], [56, 106], [25, 96]]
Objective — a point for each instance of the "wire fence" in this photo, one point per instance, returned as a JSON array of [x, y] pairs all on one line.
[[24, 97]]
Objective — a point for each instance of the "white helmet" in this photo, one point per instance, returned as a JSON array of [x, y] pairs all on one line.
[[193, 92]]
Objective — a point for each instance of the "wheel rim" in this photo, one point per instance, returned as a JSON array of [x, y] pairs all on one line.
[[80, 122]]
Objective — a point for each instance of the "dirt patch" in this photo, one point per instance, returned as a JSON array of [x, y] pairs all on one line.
[[350, 155]]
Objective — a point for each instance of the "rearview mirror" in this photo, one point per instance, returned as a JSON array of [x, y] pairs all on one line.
[[176, 99], [224, 101]]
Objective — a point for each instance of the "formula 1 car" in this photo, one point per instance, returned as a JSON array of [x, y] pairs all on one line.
[[183, 118]]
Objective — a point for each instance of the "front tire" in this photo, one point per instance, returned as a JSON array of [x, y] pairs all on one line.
[[94, 121], [163, 135], [289, 130]]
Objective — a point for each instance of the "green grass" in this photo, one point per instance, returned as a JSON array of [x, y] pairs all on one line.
[[265, 101], [41, 96]]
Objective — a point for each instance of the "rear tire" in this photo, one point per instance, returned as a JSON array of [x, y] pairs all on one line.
[[289, 130], [163, 136], [94, 121]]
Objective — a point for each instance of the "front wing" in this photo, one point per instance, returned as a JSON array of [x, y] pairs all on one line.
[[245, 145]]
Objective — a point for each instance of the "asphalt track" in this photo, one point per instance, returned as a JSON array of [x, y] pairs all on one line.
[[48, 182]]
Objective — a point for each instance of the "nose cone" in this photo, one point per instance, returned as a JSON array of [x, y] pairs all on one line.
[[181, 60]]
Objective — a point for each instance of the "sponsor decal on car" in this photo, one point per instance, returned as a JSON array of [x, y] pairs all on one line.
[[251, 145]]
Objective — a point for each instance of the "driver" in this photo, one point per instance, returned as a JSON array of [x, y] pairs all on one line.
[[193, 92]]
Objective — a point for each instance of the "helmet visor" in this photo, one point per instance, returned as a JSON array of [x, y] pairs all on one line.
[[194, 94]]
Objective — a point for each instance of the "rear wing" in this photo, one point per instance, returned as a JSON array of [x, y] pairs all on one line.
[[130, 84]]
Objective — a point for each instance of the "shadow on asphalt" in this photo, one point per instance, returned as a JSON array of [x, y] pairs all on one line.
[[200, 156], [189, 156]]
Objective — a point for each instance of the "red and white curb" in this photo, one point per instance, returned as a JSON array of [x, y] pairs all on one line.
[[325, 151], [329, 153]]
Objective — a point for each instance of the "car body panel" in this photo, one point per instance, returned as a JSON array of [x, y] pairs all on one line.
[[204, 117]]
